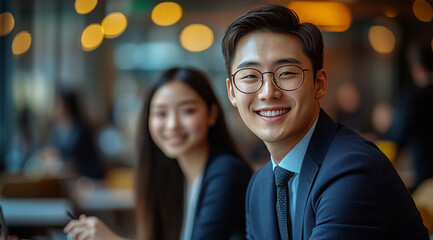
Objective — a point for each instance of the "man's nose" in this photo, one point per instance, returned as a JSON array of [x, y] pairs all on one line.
[[269, 89]]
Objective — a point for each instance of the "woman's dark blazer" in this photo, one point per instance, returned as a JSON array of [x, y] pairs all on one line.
[[220, 211]]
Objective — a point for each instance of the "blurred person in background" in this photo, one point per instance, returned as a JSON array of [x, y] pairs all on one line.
[[349, 106], [190, 179], [25, 141], [412, 124], [72, 144]]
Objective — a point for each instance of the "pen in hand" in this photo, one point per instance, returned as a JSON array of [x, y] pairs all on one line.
[[89, 228], [70, 215]]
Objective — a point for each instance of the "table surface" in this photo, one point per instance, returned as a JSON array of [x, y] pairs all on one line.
[[36, 212]]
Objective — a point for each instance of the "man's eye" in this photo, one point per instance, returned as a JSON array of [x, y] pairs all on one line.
[[286, 73], [250, 76]]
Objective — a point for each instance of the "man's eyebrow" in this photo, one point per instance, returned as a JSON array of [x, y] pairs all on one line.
[[276, 63], [247, 64], [286, 61]]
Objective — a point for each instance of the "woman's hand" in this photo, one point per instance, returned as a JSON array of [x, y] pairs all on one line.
[[89, 228]]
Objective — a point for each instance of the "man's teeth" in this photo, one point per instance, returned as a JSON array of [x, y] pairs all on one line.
[[273, 113]]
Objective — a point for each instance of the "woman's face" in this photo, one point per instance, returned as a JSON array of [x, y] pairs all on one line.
[[179, 120]]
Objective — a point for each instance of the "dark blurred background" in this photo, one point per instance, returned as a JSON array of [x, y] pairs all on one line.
[[73, 74]]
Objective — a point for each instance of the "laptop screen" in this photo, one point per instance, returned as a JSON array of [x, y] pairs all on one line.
[[4, 227]]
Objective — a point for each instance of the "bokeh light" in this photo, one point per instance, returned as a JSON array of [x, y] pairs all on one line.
[[7, 23], [21, 43], [390, 11], [85, 6], [422, 10], [330, 16], [196, 37], [92, 37], [166, 13], [381, 39], [114, 24]]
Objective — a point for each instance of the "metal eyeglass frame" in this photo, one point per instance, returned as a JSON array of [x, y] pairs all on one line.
[[232, 78]]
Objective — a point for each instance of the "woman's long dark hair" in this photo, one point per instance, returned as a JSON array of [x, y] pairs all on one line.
[[159, 181]]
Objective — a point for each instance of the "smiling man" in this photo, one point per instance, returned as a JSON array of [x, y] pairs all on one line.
[[323, 180]]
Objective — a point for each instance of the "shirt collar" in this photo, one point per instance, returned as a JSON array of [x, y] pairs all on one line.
[[293, 160]]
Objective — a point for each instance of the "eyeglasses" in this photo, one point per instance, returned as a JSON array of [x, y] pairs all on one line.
[[286, 77]]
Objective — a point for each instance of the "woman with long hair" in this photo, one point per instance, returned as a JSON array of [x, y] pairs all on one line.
[[190, 180]]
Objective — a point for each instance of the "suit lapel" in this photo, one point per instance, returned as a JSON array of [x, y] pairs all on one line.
[[306, 178], [316, 151], [267, 200]]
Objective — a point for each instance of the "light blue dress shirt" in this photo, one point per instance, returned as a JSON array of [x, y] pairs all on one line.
[[293, 162]]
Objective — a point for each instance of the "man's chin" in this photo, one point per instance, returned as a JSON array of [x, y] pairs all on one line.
[[268, 138]]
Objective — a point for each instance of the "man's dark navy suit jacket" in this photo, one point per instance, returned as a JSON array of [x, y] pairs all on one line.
[[347, 190]]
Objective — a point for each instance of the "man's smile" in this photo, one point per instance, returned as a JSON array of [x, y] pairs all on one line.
[[273, 113]]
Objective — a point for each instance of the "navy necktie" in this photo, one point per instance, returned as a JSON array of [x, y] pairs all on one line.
[[282, 177]]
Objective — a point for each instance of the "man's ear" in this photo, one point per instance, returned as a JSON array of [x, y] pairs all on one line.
[[321, 83], [231, 93]]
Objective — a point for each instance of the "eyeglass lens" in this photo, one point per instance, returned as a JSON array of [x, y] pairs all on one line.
[[249, 80]]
